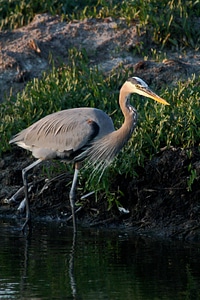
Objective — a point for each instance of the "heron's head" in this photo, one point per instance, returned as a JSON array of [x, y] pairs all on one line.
[[138, 86]]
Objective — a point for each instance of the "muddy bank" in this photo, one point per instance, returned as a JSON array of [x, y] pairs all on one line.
[[26, 52], [161, 201]]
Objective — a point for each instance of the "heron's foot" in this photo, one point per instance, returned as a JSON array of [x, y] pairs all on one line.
[[26, 224], [9, 201]]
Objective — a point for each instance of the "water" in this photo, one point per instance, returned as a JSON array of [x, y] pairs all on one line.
[[100, 264]]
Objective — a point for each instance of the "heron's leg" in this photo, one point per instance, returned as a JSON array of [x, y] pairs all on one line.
[[72, 193], [15, 196], [25, 182]]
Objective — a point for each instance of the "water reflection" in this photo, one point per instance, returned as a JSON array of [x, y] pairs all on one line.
[[71, 268], [97, 264]]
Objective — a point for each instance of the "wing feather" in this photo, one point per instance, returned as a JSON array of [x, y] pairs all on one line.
[[62, 131]]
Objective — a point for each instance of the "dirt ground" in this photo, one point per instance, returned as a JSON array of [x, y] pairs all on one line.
[[159, 201]]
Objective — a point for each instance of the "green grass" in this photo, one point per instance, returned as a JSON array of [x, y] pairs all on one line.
[[174, 24], [77, 85]]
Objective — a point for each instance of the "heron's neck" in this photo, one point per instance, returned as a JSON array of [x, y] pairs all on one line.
[[124, 96], [130, 115], [126, 108]]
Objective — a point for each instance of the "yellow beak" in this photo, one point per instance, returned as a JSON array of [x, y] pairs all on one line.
[[148, 93]]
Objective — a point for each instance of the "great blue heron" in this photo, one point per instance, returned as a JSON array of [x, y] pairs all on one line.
[[81, 133]]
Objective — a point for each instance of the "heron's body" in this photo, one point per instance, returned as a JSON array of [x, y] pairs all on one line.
[[63, 133], [81, 133]]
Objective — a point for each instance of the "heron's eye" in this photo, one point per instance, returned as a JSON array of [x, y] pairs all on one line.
[[138, 86]]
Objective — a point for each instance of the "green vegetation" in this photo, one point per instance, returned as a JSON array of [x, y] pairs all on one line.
[[78, 85], [168, 23]]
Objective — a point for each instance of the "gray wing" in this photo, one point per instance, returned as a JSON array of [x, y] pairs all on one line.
[[67, 130]]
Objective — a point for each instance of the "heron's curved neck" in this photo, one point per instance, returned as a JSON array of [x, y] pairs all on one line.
[[130, 116], [125, 105]]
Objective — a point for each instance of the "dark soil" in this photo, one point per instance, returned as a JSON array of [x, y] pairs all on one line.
[[163, 200]]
